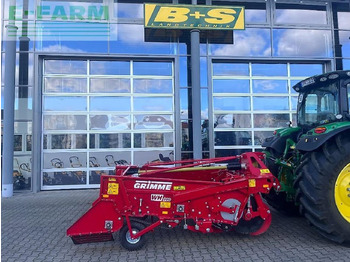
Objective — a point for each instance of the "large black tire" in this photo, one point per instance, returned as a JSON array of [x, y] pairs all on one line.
[[125, 239], [278, 200], [315, 184]]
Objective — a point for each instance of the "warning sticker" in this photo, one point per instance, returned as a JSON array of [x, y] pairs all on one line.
[[179, 188], [264, 171], [165, 204], [113, 189]]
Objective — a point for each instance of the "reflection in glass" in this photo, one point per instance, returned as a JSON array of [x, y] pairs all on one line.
[[29, 143], [17, 143], [248, 42], [153, 104], [153, 68], [262, 103], [109, 85], [230, 152], [64, 178], [153, 122], [270, 86], [345, 42], [62, 103], [64, 122], [230, 86], [302, 43], [270, 120], [129, 39], [185, 134], [65, 141], [343, 20], [110, 122], [231, 103], [294, 100], [153, 140], [153, 86], [300, 14], [120, 140], [203, 72], [183, 72], [269, 69], [65, 67], [230, 69], [128, 10], [306, 70], [232, 138], [109, 67], [143, 157], [260, 136], [65, 85], [232, 121], [110, 103]]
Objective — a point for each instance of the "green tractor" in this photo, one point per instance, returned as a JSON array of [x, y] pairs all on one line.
[[312, 160]]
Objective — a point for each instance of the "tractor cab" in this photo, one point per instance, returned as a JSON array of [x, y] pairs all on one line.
[[323, 99]]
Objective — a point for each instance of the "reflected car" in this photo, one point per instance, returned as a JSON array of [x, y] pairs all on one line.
[[154, 122]]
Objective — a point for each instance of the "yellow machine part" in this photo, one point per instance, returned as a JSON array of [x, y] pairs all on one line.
[[342, 192]]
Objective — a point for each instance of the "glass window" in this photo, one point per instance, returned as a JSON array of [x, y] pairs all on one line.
[[270, 120], [302, 43], [108, 103], [153, 104], [230, 69], [64, 122], [344, 38], [346, 64], [269, 69], [143, 157], [119, 140], [109, 67], [153, 140], [71, 67], [19, 12], [230, 86], [17, 143], [203, 72], [260, 136], [65, 141], [65, 85], [231, 103], [230, 152], [233, 138], [269, 103], [232, 121], [153, 86], [110, 122], [305, 70], [254, 12], [248, 42], [64, 103], [153, 68], [64, 178], [128, 10], [153, 122], [183, 69], [110, 85], [300, 14], [130, 39], [270, 86], [343, 20], [184, 94]]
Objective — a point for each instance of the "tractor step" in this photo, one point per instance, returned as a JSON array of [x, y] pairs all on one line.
[[92, 238]]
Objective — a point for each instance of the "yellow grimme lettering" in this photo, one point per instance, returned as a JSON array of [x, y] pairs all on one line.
[[172, 14], [220, 16]]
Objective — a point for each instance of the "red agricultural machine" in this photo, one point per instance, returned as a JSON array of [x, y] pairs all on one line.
[[211, 195]]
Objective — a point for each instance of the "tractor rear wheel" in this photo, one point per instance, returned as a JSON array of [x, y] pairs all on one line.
[[323, 188], [278, 200]]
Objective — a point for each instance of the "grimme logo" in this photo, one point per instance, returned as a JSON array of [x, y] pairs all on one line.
[[153, 185]]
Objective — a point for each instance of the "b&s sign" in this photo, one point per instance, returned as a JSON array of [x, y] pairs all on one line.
[[194, 16]]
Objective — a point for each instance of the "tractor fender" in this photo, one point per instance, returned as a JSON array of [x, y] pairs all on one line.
[[311, 142], [278, 141]]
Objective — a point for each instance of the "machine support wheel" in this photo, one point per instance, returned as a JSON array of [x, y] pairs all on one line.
[[278, 200], [125, 239], [323, 188]]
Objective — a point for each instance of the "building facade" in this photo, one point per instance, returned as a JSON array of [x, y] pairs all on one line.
[[95, 89]]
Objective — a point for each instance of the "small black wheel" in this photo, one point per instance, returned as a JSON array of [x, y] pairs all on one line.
[[125, 239]]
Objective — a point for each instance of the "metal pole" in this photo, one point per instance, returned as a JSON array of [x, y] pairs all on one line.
[[9, 111], [196, 92]]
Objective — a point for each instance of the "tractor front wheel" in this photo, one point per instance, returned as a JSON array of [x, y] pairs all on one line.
[[323, 188]]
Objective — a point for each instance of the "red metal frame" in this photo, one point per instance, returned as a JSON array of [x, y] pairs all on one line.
[[205, 195]]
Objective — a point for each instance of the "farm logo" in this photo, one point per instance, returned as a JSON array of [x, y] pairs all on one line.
[[194, 16], [153, 185]]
